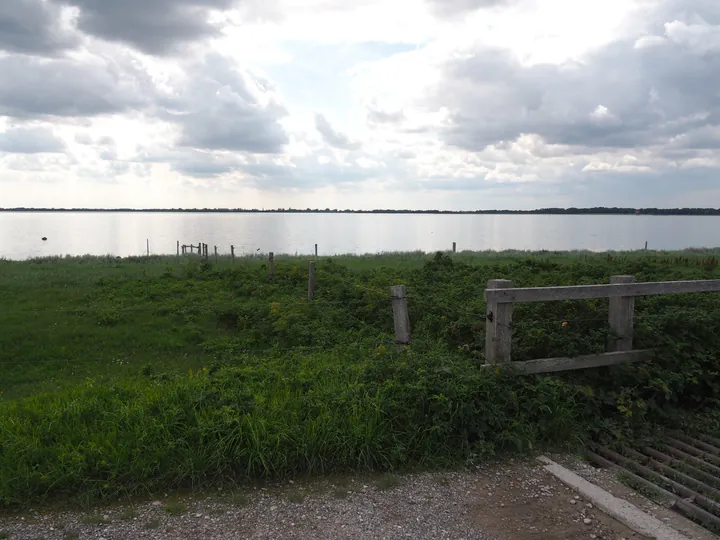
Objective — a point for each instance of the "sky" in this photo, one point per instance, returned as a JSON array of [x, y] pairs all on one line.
[[409, 104]]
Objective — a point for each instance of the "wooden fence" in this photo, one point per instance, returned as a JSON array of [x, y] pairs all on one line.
[[500, 296], [622, 290]]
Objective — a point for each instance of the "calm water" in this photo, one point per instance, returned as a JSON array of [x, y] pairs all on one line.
[[126, 233]]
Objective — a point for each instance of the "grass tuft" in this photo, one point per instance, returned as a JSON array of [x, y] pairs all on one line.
[[388, 481]]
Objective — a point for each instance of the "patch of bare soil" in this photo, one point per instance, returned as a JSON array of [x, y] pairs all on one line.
[[522, 501]]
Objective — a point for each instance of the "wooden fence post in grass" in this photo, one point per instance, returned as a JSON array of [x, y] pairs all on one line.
[[401, 319], [311, 281], [232, 252], [199, 248], [620, 317], [216, 255], [316, 251], [454, 246], [271, 265], [148, 246], [498, 335], [178, 248]]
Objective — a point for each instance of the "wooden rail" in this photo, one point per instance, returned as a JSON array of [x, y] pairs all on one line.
[[622, 290], [583, 292]]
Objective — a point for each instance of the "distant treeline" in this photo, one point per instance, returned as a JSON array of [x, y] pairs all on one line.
[[571, 210]]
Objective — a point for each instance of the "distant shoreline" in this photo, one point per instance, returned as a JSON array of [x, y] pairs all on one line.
[[540, 211]]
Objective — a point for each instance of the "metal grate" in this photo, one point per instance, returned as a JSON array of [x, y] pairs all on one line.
[[684, 471]]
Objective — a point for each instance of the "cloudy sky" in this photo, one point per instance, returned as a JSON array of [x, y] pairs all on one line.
[[455, 104]]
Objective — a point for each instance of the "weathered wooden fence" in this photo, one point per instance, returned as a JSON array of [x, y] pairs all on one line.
[[622, 290]]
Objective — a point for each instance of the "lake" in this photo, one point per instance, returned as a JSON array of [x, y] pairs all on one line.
[[124, 233]]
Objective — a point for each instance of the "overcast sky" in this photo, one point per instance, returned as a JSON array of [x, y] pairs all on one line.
[[453, 104]]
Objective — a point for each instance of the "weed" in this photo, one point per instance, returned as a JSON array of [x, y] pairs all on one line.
[[341, 493], [239, 499], [296, 497], [128, 514], [175, 508], [94, 519], [442, 480], [388, 481], [154, 523]]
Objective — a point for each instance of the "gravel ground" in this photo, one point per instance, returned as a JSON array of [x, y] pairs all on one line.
[[513, 500]]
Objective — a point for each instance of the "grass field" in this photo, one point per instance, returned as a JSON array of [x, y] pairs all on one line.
[[122, 376]]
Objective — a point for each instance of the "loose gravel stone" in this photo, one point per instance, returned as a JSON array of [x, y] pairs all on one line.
[[511, 500]]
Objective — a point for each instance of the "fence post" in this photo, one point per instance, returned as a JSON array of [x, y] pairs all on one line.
[[454, 246], [216, 255], [271, 265], [311, 281], [232, 252], [178, 248], [498, 335], [199, 249], [401, 319], [148, 246], [620, 318]]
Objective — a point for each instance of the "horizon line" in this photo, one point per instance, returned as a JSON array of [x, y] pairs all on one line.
[[548, 210]]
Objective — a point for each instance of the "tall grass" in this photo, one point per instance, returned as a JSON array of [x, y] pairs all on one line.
[[135, 375]]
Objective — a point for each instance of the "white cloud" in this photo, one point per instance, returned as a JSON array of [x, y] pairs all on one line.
[[464, 103]]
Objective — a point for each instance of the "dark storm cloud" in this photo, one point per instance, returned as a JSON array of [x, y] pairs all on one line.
[[219, 107], [151, 26], [37, 87], [30, 140], [34, 27], [332, 137], [630, 93]]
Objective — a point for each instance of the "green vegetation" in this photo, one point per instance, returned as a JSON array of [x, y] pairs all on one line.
[[175, 508], [125, 376], [388, 481]]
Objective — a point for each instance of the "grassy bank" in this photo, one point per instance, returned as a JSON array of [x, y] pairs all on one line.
[[128, 375]]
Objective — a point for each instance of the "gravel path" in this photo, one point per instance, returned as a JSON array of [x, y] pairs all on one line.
[[515, 500]]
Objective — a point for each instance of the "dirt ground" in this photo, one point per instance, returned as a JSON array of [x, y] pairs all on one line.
[[515, 500], [521, 501]]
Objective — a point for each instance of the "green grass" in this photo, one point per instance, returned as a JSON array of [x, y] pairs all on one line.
[[93, 519], [175, 508], [129, 376], [388, 481]]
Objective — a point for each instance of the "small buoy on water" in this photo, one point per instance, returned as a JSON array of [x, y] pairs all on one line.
[[44, 238]]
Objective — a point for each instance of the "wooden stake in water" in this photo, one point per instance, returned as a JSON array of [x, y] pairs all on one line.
[[311, 281], [271, 265]]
